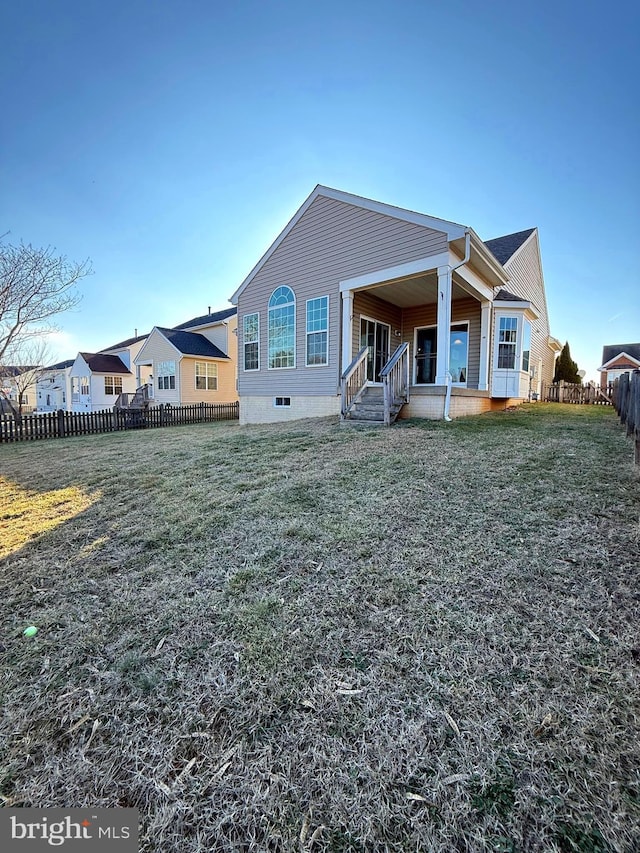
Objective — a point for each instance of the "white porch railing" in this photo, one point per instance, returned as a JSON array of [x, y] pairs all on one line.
[[353, 381], [395, 381]]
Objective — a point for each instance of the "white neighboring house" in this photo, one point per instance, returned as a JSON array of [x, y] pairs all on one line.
[[127, 351], [53, 388], [97, 380]]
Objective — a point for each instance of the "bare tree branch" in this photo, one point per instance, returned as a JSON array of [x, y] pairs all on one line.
[[26, 361], [35, 285]]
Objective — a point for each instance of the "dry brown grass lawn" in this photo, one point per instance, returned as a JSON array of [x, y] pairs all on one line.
[[307, 638]]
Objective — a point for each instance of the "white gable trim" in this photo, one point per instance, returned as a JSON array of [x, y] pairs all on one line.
[[623, 354], [452, 230], [534, 234], [141, 359], [399, 271]]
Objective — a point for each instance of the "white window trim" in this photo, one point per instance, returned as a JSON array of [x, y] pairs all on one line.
[[282, 405], [417, 329], [257, 341], [295, 328], [306, 338], [196, 376], [519, 316], [113, 379], [466, 323], [380, 323]]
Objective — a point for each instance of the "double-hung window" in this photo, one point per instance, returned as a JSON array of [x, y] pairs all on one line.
[[166, 375], [507, 338], [112, 385], [206, 376], [251, 341], [282, 328], [317, 331]]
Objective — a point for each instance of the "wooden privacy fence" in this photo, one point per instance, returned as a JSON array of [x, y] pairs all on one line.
[[566, 392], [61, 424], [626, 401]]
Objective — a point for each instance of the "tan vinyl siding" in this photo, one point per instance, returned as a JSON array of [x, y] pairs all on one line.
[[226, 392], [461, 310], [365, 304], [333, 241], [526, 280], [156, 349]]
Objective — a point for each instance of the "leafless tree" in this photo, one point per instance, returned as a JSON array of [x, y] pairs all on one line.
[[35, 286], [27, 360]]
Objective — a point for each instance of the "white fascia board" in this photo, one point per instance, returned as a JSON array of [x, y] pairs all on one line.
[[554, 344], [81, 364], [606, 365], [471, 278], [400, 271], [509, 305], [488, 257], [532, 236], [140, 359], [279, 239], [452, 230]]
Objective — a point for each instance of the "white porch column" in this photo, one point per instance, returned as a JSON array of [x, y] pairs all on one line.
[[485, 344], [347, 328], [444, 324]]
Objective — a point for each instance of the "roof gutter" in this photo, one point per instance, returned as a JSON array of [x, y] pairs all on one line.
[[465, 260]]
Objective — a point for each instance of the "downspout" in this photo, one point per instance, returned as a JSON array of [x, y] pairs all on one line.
[[467, 255]]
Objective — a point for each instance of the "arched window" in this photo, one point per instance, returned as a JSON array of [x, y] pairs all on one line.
[[282, 328]]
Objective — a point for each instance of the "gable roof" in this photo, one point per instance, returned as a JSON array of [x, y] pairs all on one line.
[[127, 343], [503, 248], [612, 351], [12, 370], [453, 230], [100, 363], [206, 319], [62, 365], [192, 343], [504, 295]]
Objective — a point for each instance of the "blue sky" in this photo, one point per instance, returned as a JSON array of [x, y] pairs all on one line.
[[170, 142]]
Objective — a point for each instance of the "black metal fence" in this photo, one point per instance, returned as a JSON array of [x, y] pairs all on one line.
[[61, 424]]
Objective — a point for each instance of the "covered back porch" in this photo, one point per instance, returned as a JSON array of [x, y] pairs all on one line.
[[421, 335]]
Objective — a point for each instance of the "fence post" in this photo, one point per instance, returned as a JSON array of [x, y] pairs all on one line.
[[161, 407], [60, 425]]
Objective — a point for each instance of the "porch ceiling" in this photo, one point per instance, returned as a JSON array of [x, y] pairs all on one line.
[[418, 290]]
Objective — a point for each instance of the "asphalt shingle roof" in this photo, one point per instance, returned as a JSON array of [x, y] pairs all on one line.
[[192, 343], [127, 343], [612, 350], [507, 296], [502, 248], [99, 363], [62, 365], [208, 318]]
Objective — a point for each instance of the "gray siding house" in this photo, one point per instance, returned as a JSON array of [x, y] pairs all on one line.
[[357, 303]]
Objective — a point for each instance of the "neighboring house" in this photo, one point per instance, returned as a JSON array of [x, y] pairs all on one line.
[[18, 387], [618, 359], [127, 352], [53, 387], [351, 281], [97, 380], [194, 362]]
